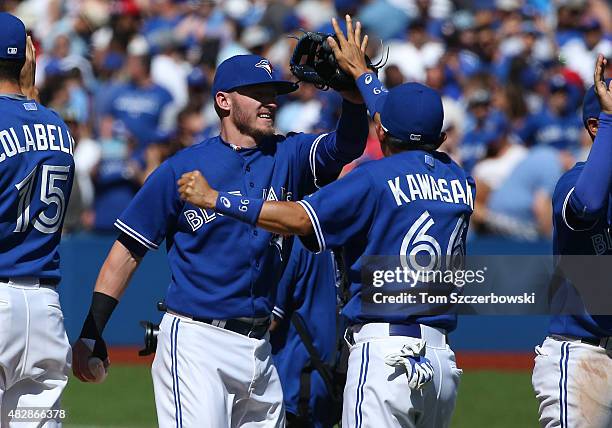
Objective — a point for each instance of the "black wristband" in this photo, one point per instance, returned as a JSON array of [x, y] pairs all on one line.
[[102, 306]]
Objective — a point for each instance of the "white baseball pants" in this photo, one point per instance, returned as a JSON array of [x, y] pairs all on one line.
[[378, 395], [204, 376], [35, 353], [573, 384]]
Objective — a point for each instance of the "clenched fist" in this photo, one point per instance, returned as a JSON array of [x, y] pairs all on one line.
[[194, 188]]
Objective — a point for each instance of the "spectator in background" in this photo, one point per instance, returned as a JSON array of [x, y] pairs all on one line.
[[256, 39], [115, 176], [557, 124], [302, 114], [506, 49], [87, 153], [78, 96], [481, 123], [62, 59], [520, 207], [164, 16], [145, 108], [77, 206], [569, 16], [581, 53], [454, 115], [453, 126], [503, 154], [170, 70], [191, 129], [412, 55], [523, 60]]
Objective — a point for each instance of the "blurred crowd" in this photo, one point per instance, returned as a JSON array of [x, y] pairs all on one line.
[[132, 79]]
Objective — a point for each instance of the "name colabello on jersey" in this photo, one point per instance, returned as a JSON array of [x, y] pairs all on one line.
[[412, 187], [34, 137]]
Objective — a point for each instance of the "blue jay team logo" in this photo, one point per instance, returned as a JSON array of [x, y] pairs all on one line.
[[265, 64]]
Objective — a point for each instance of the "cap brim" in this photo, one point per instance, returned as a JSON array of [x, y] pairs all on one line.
[[282, 86], [285, 87]]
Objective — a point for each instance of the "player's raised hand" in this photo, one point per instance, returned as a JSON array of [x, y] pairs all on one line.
[[603, 91], [194, 189], [350, 50], [28, 71]]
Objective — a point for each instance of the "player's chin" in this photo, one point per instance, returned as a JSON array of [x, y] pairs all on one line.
[[264, 128], [265, 123]]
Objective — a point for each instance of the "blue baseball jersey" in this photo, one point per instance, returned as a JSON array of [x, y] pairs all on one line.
[[115, 184], [222, 268], [546, 128], [140, 109], [307, 287], [391, 207], [36, 174], [572, 237]]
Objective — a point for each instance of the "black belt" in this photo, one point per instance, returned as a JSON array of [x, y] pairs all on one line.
[[48, 282], [406, 330], [254, 328]]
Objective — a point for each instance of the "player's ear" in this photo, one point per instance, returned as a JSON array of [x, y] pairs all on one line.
[[223, 101], [592, 126], [443, 137], [380, 132]]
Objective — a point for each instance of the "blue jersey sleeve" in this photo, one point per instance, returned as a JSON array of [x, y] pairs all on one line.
[[154, 209], [326, 155], [563, 212], [594, 183], [342, 209]]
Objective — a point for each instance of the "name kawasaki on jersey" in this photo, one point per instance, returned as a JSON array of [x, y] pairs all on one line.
[[426, 187]]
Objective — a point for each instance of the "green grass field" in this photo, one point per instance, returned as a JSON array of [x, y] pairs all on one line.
[[486, 399]]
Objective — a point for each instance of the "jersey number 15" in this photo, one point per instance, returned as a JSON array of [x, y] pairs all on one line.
[[50, 194]]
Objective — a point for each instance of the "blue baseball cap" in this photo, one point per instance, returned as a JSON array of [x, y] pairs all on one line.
[[590, 104], [247, 70], [413, 113], [12, 37]]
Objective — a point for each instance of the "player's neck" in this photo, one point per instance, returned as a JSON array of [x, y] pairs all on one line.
[[8, 87], [231, 134]]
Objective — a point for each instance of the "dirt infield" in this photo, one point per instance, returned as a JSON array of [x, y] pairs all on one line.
[[470, 360]]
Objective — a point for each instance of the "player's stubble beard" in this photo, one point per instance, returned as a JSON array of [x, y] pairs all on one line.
[[243, 121]]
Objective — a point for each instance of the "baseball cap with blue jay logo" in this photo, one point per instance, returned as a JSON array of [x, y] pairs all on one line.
[[12, 37], [413, 113], [246, 70]]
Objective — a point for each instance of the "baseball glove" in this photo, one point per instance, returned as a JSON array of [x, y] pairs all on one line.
[[313, 61]]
